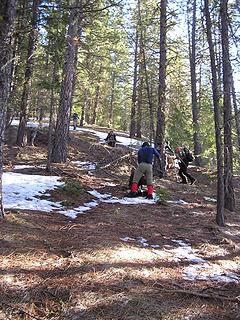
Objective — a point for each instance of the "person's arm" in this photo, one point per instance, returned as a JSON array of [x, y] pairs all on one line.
[[156, 153], [139, 157]]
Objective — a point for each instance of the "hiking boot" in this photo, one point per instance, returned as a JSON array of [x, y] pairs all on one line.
[[149, 196], [131, 194], [193, 181]]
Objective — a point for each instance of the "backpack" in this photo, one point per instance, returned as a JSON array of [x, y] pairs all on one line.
[[188, 155]]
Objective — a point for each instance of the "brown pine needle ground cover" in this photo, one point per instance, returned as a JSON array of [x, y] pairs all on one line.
[[116, 261]]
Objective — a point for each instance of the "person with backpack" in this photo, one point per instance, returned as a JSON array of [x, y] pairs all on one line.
[[184, 156], [111, 139], [145, 159], [75, 120]]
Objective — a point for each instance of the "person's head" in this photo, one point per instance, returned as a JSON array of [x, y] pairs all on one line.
[[178, 150], [145, 144]]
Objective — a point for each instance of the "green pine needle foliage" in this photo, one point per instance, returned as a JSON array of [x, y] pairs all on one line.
[[162, 194], [72, 187]]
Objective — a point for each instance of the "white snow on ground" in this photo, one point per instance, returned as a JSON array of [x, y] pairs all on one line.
[[209, 199], [85, 165], [179, 201], [198, 269], [30, 124], [120, 139], [107, 198], [20, 191], [73, 213]]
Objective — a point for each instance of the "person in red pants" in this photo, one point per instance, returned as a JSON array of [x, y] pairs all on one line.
[[145, 159]]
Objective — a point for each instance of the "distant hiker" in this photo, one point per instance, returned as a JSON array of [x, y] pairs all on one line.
[[111, 139], [141, 182], [33, 135], [75, 120], [168, 149], [145, 159], [184, 156], [169, 156]]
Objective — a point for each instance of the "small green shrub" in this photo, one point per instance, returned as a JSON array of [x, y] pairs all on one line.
[[72, 187], [162, 194]]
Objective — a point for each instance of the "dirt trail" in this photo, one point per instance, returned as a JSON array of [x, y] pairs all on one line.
[[130, 262]]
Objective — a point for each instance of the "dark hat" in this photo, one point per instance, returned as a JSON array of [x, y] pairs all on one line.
[[145, 144]]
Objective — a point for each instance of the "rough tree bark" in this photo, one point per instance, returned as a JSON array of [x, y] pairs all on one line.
[[229, 199], [21, 135], [7, 17], [160, 131], [134, 90], [217, 118], [195, 103], [60, 144]]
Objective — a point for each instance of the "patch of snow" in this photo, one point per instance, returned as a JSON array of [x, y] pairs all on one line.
[[210, 271], [143, 241], [99, 195], [179, 201], [72, 213], [85, 165], [209, 199], [126, 239], [20, 191], [120, 139]]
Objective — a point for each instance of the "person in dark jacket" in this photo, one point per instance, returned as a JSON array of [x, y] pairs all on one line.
[[75, 120], [184, 157], [145, 159], [111, 139]]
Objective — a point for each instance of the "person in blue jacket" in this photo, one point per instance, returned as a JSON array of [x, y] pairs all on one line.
[[145, 159]]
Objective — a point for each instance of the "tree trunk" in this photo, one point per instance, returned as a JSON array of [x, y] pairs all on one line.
[[96, 104], [195, 105], [227, 108], [217, 119], [134, 90], [236, 111], [21, 135], [160, 131], [84, 107], [60, 152], [112, 98], [7, 14], [149, 97], [52, 110]]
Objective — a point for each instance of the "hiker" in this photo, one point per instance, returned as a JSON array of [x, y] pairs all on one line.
[[167, 148], [111, 139], [169, 156], [75, 120], [141, 182], [145, 159], [184, 156]]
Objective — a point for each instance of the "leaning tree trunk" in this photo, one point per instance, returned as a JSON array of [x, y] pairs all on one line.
[[7, 14], [60, 150], [134, 90], [229, 199], [160, 131], [21, 135], [195, 105], [217, 118]]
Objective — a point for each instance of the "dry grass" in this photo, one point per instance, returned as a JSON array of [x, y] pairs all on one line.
[[60, 269]]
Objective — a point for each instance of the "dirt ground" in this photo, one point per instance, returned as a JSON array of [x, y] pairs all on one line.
[[96, 267]]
